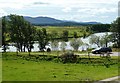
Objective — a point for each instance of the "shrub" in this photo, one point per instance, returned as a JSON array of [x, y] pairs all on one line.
[[68, 57], [56, 60], [48, 50], [49, 58]]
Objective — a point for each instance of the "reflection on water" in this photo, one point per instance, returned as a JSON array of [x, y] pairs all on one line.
[[68, 47]]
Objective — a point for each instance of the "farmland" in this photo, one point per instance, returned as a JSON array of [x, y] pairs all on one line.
[[80, 30]]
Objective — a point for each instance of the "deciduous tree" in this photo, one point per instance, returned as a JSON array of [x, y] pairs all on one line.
[[76, 43], [63, 45], [95, 40], [4, 33], [43, 39], [65, 35], [115, 28]]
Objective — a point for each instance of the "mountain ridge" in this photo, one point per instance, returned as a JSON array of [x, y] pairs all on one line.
[[52, 21]]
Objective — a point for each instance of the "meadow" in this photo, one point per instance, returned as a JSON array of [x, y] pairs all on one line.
[[80, 30], [0, 67], [17, 68]]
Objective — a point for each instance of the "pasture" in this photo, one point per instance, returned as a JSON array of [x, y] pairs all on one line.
[[80, 30], [17, 68]]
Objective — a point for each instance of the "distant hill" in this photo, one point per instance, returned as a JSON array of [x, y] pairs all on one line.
[[54, 22], [42, 20]]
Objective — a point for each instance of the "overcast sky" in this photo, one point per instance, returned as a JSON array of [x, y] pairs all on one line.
[[104, 11]]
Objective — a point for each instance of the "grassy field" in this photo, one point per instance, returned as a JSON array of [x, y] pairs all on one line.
[[17, 69], [0, 67], [79, 30]]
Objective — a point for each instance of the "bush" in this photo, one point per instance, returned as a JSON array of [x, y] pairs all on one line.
[[56, 60], [68, 57], [115, 45], [48, 50], [49, 58]]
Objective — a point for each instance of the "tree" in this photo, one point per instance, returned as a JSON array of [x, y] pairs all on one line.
[[100, 28], [48, 50], [54, 45], [65, 35], [84, 32], [87, 46], [115, 28], [4, 33], [76, 43], [17, 24], [53, 35], [75, 35], [29, 36], [105, 40], [63, 45], [21, 32], [43, 38], [95, 40]]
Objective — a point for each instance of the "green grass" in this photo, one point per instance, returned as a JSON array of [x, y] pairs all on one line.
[[0, 67], [52, 53], [79, 30], [17, 69]]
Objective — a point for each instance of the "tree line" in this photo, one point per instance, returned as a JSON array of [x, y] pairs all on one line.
[[100, 28]]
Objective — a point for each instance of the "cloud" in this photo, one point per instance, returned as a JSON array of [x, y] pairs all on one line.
[[40, 3], [62, 9], [67, 9], [95, 11], [2, 13], [16, 4], [80, 3], [104, 17], [107, 10], [63, 3]]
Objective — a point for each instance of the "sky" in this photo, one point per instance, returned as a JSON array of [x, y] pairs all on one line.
[[104, 11]]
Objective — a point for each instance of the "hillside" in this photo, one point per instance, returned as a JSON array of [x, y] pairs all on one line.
[[42, 20], [54, 22]]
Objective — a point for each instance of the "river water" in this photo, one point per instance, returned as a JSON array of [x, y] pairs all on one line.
[[68, 47]]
